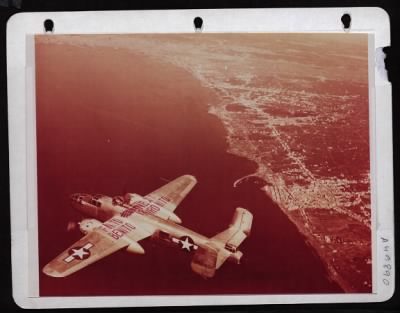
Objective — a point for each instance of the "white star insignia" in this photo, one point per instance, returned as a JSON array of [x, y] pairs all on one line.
[[79, 253], [186, 244]]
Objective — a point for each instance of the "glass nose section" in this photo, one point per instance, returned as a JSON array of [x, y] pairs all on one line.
[[79, 197]]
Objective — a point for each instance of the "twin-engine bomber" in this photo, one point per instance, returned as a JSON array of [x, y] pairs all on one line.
[[121, 222]]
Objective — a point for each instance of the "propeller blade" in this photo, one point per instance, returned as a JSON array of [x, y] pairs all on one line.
[[71, 226]]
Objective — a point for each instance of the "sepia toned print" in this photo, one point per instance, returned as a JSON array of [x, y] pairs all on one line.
[[276, 124]]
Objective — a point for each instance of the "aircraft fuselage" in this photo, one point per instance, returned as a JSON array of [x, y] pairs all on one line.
[[103, 208], [123, 222]]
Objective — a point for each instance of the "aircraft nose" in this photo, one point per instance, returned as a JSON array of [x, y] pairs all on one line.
[[77, 198], [80, 198], [74, 199], [74, 196]]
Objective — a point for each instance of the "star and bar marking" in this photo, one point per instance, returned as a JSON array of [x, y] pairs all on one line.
[[79, 253], [186, 243]]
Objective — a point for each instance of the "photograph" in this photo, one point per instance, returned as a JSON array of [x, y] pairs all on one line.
[[203, 164]]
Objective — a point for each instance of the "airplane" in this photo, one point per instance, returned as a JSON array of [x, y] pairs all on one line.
[[121, 222]]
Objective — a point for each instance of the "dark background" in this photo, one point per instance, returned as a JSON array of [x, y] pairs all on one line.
[[8, 8]]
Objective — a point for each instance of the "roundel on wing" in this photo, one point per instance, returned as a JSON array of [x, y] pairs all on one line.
[[187, 243], [79, 253]]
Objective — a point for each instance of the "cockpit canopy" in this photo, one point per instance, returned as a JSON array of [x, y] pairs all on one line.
[[83, 197], [95, 202], [118, 200]]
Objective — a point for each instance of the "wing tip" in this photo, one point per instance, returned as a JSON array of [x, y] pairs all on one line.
[[245, 211], [191, 177], [49, 271]]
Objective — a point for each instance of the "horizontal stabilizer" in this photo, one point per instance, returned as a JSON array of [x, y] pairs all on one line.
[[210, 257], [238, 230]]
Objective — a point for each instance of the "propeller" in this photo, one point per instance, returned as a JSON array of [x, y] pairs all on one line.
[[71, 226]]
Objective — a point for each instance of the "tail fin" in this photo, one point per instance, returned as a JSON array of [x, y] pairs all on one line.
[[224, 245], [238, 230]]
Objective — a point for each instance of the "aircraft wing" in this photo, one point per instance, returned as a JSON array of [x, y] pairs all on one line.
[[170, 195], [111, 236]]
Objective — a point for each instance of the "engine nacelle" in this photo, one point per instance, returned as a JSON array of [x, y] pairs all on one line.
[[136, 248], [235, 257], [88, 225]]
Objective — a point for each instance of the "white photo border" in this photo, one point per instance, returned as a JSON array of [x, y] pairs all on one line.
[[22, 136]]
